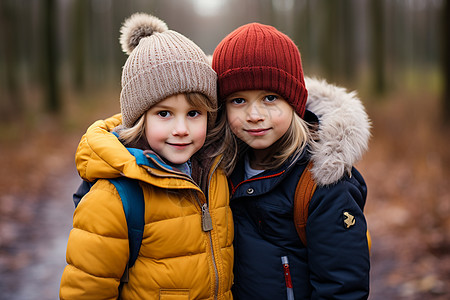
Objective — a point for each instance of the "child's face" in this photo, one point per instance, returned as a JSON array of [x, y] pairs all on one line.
[[174, 129], [258, 117]]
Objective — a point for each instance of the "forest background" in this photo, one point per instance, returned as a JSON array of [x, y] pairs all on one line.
[[60, 68]]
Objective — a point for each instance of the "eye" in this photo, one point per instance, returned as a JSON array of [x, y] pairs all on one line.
[[237, 100], [270, 98], [164, 113], [193, 113]]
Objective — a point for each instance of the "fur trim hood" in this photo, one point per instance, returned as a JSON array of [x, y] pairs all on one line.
[[344, 130]]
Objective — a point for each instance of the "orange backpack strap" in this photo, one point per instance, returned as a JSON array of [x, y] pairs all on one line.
[[303, 194]]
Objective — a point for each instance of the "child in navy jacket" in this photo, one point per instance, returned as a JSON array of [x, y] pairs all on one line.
[[267, 137]]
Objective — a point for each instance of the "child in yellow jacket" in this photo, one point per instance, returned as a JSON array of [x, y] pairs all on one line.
[[168, 103]]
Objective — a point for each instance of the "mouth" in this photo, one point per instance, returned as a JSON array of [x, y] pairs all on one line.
[[257, 132], [179, 145]]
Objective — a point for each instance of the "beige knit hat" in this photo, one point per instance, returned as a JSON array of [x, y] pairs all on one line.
[[161, 63]]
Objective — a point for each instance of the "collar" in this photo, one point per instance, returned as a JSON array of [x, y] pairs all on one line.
[[266, 180], [249, 172]]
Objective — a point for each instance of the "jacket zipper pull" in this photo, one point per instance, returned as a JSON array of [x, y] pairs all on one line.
[[287, 278], [206, 219]]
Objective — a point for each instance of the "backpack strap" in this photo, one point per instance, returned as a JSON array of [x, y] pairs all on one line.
[[133, 205], [83, 189], [303, 194]]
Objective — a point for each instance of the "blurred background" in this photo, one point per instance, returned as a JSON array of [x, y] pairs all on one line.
[[60, 68]]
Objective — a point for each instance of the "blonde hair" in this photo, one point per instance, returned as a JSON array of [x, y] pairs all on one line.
[[135, 135], [291, 144]]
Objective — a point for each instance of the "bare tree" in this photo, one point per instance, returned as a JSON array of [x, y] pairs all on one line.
[[12, 102], [50, 59], [79, 43], [347, 33], [377, 57]]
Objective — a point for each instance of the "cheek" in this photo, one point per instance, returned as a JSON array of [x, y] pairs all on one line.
[[286, 122], [284, 119], [234, 120], [154, 133], [200, 130], [203, 132]]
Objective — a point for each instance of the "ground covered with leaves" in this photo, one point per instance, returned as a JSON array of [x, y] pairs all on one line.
[[406, 169]]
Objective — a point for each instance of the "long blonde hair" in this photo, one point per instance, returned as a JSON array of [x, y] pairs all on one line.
[[291, 144], [135, 135]]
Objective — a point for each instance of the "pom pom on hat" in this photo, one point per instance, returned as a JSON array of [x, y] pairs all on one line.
[[138, 26]]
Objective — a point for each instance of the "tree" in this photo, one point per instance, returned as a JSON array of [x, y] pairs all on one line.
[[50, 59], [377, 57], [348, 43], [79, 43], [12, 103]]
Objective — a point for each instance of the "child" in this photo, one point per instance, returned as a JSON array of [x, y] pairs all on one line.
[[168, 101], [268, 144]]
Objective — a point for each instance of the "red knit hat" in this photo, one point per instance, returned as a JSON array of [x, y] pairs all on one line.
[[259, 57]]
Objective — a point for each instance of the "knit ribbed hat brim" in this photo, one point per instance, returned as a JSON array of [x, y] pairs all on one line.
[[264, 78]]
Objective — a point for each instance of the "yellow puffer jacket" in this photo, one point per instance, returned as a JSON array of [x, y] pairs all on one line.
[[177, 259]]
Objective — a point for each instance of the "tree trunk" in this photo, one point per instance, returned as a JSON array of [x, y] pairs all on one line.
[[12, 102], [53, 102], [377, 46], [79, 43], [347, 33]]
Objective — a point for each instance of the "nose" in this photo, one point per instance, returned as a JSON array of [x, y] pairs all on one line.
[[255, 113], [180, 127]]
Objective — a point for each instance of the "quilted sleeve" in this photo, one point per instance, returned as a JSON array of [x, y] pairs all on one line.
[[97, 250], [338, 253]]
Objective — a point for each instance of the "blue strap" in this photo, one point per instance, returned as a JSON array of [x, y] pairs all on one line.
[[82, 190], [133, 205]]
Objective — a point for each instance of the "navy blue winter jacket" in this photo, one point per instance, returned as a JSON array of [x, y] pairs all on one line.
[[335, 265]]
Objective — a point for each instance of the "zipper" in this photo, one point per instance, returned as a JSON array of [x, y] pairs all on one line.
[[287, 278], [216, 289], [207, 227], [206, 216]]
